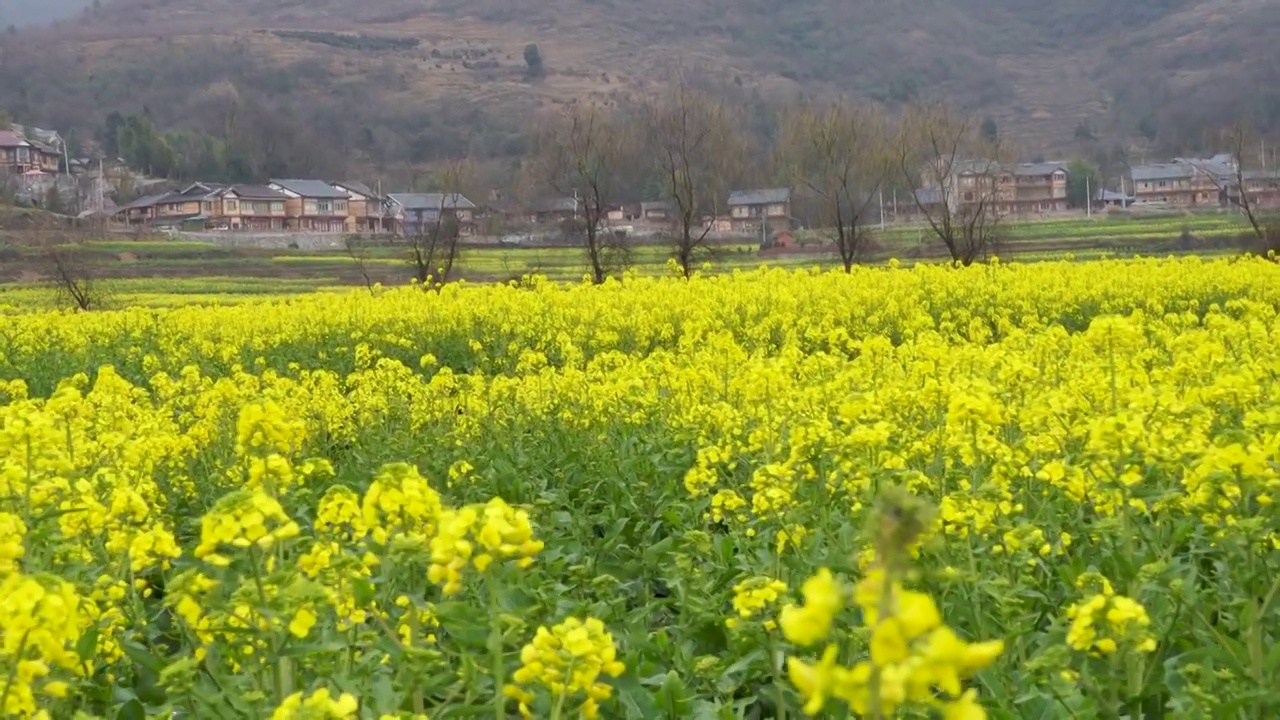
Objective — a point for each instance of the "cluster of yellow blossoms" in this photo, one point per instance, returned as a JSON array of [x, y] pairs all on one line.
[[914, 660], [40, 625], [567, 660], [243, 520], [1105, 622], [754, 595], [319, 705], [502, 533]]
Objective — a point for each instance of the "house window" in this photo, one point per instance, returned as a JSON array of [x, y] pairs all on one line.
[[232, 206], [1163, 183], [340, 205], [324, 206]]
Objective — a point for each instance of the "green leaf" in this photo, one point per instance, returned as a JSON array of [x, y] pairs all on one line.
[[87, 644], [142, 656], [363, 591], [674, 696], [132, 710]]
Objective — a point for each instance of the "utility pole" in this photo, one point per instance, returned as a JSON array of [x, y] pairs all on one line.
[[882, 209], [1088, 191]]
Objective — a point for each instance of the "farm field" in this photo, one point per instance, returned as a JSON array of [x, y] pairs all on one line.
[[156, 271], [1014, 490]]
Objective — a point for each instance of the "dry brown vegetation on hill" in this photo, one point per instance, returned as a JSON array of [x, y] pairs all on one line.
[[324, 87]]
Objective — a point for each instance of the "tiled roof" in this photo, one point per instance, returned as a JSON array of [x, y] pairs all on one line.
[[358, 188], [548, 205], [1038, 169], [431, 201], [145, 201], [311, 188], [1162, 171], [1180, 168], [766, 196], [255, 192], [200, 190], [11, 139]]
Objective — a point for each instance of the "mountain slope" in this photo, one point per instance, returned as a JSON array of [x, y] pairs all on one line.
[[24, 13], [392, 83]]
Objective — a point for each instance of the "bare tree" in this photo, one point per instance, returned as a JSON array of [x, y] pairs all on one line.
[[588, 152], [72, 275], [436, 242], [956, 179], [698, 150], [840, 156], [358, 250], [1246, 184]]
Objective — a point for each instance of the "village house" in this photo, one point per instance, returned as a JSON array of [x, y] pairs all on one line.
[[313, 205], [1108, 199], [1262, 187], [750, 209], [657, 212], [552, 211], [1037, 188], [141, 211], [49, 144], [251, 207], [416, 213], [30, 151], [366, 208], [20, 156], [191, 208], [622, 214], [1021, 189], [908, 207], [1184, 182], [210, 206]]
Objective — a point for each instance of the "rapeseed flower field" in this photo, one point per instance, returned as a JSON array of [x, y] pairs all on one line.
[[1015, 491]]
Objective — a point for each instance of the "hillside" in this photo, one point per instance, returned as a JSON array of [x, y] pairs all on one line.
[[25, 13], [325, 86]]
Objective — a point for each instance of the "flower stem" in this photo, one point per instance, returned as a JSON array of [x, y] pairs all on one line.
[[495, 649]]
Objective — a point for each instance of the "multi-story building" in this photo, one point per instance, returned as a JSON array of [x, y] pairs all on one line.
[[313, 205], [251, 207], [1037, 188], [366, 208], [749, 209], [1015, 189], [415, 213], [25, 150], [1184, 182]]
